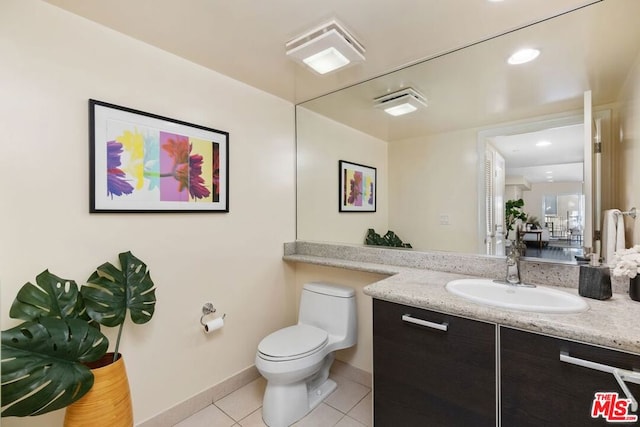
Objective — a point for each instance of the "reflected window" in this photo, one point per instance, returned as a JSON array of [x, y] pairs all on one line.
[[550, 204]]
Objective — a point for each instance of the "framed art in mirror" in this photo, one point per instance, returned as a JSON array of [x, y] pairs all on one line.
[[358, 189], [142, 162]]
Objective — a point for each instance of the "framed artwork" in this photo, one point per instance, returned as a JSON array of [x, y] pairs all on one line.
[[358, 189], [142, 162]]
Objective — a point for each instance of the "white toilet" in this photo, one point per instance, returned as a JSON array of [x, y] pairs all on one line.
[[296, 360]]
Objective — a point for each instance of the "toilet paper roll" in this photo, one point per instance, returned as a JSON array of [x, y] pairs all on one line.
[[214, 324]]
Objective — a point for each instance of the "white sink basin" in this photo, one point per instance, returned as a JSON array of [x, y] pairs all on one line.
[[539, 299]]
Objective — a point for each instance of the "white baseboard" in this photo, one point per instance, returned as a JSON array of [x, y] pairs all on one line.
[[205, 398], [201, 400]]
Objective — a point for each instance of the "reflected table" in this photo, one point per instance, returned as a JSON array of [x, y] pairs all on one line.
[[537, 233]]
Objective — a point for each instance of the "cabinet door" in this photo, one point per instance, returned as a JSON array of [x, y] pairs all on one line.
[[430, 377], [537, 389]]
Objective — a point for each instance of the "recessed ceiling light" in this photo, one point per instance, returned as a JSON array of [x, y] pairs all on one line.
[[543, 144], [326, 48], [523, 55]]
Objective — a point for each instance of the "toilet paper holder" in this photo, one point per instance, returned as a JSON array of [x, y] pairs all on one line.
[[208, 309]]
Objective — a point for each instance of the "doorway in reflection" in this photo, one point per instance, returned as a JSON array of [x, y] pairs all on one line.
[[542, 163], [563, 228], [564, 222], [564, 218]]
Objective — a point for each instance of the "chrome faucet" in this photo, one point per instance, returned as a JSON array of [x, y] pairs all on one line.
[[512, 275]]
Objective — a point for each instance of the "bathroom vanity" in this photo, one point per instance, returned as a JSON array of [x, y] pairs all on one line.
[[538, 388], [441, 360], [432, 369], [437, 369]]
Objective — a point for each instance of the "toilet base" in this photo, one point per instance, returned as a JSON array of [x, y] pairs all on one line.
[[318, 395], [284, 404]]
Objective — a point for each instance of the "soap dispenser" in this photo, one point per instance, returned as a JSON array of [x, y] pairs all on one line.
[[595, 279]]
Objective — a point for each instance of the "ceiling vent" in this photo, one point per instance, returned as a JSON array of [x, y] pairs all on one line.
[[326, 48], [401, 102]]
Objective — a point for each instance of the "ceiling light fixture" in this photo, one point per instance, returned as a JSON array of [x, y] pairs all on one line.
[[326, 48], [543, 144], [401, 102], [523, 56]]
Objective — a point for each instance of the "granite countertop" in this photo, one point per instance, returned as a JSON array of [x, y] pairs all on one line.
[[613, 323]]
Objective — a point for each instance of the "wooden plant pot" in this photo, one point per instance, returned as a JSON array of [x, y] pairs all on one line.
[[108, 403]]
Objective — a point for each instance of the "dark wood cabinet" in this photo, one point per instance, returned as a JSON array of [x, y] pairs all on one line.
[[538, 389], [435, 369], [426, 376]]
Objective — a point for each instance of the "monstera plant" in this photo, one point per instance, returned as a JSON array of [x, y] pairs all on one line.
[[44, 360]]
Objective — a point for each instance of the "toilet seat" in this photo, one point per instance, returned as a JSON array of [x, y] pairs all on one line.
[[293, 342]]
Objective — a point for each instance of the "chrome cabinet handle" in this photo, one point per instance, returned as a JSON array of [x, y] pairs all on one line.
[[621, 375], [432, 325]]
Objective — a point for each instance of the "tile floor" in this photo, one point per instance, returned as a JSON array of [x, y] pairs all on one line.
[[348, 406]]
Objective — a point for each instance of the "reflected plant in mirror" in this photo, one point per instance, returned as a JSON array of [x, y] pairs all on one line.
[[513, 214], [390, 239]]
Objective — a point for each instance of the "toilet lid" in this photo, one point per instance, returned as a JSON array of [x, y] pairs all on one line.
[[293, 341]]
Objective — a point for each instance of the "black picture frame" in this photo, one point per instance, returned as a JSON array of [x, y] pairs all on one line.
[[358, 189], [143, 162]]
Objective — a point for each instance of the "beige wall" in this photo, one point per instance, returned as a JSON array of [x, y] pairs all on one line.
[[321, 143], [629, 152], [52, 63], [431, 177]]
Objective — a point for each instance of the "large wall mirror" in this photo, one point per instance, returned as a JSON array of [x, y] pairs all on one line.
[[490, 132]]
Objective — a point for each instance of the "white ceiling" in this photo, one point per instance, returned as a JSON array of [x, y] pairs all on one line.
[[590, 49], [245, 39], [559, 161]]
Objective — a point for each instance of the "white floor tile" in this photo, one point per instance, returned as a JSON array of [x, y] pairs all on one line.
[[209, 416], [347, 421], [243, 401], [347, 395], [253, 420], [363, 411], [323, 416], [243, 408]]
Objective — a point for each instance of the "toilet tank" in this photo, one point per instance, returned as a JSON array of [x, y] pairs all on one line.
[[332, 308]]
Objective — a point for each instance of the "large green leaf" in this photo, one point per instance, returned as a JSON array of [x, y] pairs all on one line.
[[52, 297], [40, 360], [110, 292]]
